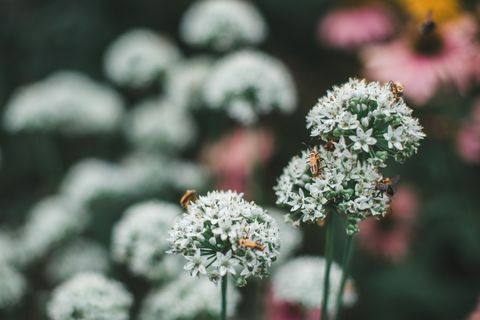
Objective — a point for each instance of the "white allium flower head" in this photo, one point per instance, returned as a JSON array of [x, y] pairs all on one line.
[[90, 296], [67, 102], [300, 281], [140, 239], [80, 255], [8, 251], [375, 123], [159, 125], [139, 57], [12, 286], [185, 81], [248, 84], [344, 183], [290, 236], [50, 222], [222, 24], [211, 235], [187, 298]]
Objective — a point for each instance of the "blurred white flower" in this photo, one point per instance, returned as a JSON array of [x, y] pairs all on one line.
[[8, 252], [300, 281], [90, 296], [12, 286], [139, 57], [222, 234], [290, 236], [248, 84], [80, 255], [185, 81], [140, 239], [222, 24], [187, 298], [159, 125], [67, 102], [50, 222]]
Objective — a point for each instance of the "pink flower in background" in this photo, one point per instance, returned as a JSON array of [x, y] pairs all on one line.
[[468, 138], [279, 310], [390, 236], [475, 315], [422, 74], [234, 156], [350, 28]]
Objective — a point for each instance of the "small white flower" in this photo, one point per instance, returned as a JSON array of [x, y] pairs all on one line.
[[394, 137], [196, 264], [363, 139]]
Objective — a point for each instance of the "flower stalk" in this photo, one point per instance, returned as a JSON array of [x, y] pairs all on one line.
[[224, 298], [330, 233], [347, 257]]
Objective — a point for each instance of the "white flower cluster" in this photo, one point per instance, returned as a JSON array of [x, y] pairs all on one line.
[[140, 240], [343, 184], [66, 102], [8, 251], [12, 286], [158, 125], [222, 24], [300, 281], [51, 222], [185, 81], [139, 57], [187, 298], [374, 120], [81, 255], [248, 84], [222, 234], [90, 296], [290, 237]]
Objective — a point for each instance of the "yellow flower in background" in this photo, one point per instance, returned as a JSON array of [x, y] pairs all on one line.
[[442, 10]]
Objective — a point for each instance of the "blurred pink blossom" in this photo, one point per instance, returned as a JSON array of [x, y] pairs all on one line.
[[422, 74], [279, 310], [468, 138], [350, 28], [233, 158], [389, 237]]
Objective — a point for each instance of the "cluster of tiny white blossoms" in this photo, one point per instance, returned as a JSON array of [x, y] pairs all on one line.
[[248, 84], [90, 296], [140, 240], [158, 125], [222, 24], [300, 282], [12, 286], [290, 237], [209, 236], [80, 255], [344, 184], [67, 102], [187, 298], [139, 57], [375, 122]]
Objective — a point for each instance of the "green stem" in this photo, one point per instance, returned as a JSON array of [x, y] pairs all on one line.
[[347, 257], [224, 298], [329, 257]]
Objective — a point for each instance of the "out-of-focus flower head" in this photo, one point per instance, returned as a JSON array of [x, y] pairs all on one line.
[[8, 252], [159, 125], [233, 158], [185, 81], [222, 234], [468, 138], [67, 102], [426, 58], [352, 27], [140, 240], [139, 57], [81, 255], [50, 222], [222, 25], [90, 296], [300, 282], [290, 237], [343, 183], [372, 118], [390, 237], [248, 84], [187, 298], [12, 286]]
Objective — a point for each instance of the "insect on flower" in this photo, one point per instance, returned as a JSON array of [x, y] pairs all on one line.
[[188, 196], [397, 89], [329, 146], [388, 185], [314, 162], [247, 243]]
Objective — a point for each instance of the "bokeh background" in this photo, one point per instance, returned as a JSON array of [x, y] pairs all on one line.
[[421, 262]]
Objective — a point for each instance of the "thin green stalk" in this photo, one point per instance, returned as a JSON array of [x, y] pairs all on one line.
[[224, 298], [329, 257], [347, 257]]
